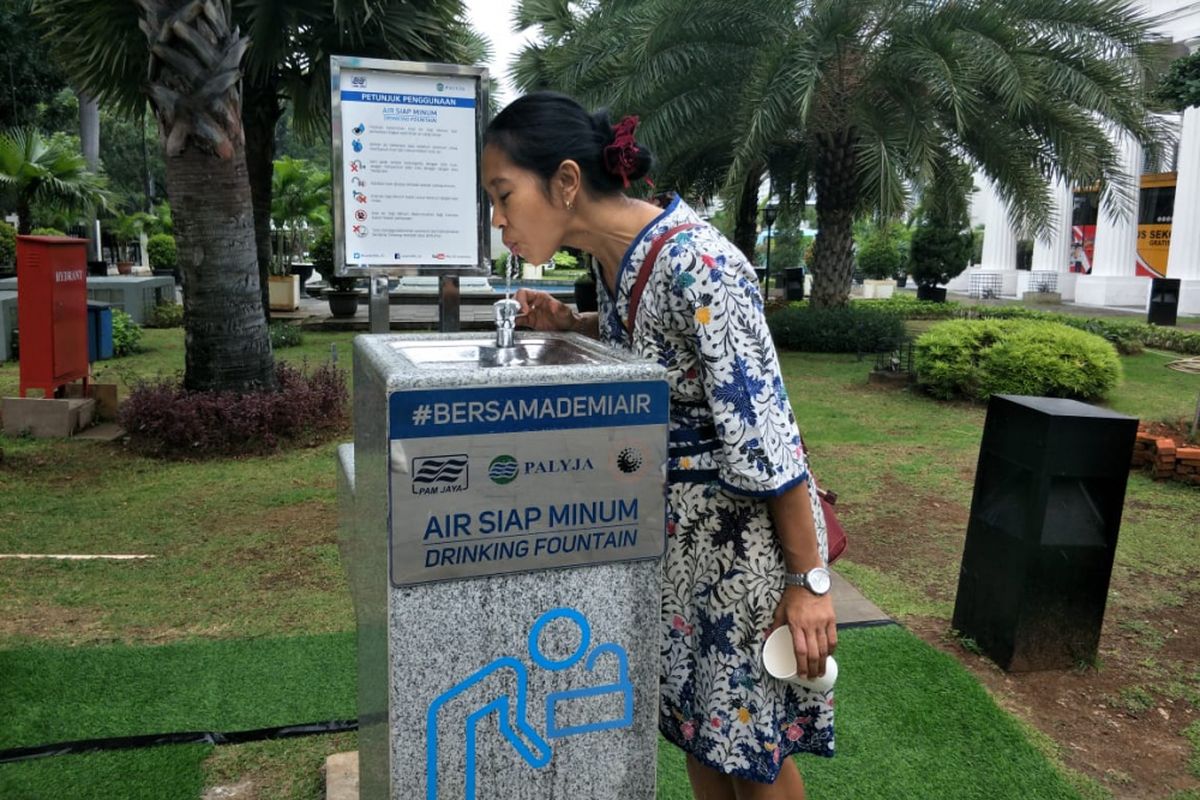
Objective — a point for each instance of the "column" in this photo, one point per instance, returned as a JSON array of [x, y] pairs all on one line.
[[1183, 259], [1114, 280], [1000, 243], [1052, 251]]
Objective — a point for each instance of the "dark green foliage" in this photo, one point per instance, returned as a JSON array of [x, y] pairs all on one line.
[[166, 315], [942, 242], [975, 359], [30, 75], [161, 250], [320, 253], [880, 253], [8, 244], [285, 334], [127, 334], [851, 329], [1180, 87]]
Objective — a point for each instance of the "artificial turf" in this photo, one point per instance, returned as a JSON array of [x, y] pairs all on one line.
[[911, 722]]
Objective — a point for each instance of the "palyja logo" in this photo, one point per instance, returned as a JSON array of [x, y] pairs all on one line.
[[503, 469], [441, 86]]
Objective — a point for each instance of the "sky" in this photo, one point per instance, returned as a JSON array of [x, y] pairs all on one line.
[[493, 18]]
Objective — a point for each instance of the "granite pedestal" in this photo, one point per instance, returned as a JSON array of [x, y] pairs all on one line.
[[502, 528]]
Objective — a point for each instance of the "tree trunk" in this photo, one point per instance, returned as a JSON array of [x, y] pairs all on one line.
[[260, 113], [194, 87], [227, 343], [745, 228], [837, 199], [24, 217]]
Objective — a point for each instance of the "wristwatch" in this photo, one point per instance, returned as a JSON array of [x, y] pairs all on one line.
[[816, 580]]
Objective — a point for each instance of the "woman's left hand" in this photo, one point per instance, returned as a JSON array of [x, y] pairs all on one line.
[[814, 628]]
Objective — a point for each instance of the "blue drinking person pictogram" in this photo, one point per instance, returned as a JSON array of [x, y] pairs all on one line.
[[512, 710]]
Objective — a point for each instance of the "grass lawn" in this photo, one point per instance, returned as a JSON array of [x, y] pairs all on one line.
[[912, 722], [246, 587]]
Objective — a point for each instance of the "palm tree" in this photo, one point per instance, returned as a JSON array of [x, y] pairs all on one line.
[[299, 202], [287, 62], [48, 173], [865, 99], [194, 79]]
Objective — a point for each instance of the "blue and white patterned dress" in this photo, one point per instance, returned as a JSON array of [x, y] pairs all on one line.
[[733, 443]]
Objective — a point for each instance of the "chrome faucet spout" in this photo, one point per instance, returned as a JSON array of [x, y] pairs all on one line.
[[506, 321]]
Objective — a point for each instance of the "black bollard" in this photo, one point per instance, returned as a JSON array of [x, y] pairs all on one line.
[[1043, 531]]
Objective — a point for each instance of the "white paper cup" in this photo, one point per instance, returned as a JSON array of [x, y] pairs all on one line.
[[779, 659]]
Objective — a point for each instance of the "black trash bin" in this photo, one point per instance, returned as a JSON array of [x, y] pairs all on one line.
[[97, 268], [1042, 532], [762, 276], [794, 284], [1164, 301]]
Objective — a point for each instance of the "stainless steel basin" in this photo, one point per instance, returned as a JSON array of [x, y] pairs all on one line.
[[529, 351]]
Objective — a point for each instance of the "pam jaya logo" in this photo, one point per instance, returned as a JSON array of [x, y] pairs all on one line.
[[503, 469]]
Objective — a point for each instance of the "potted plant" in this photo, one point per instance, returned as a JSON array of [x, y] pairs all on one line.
[[340, 291], [127, 229], [161, 251], [879, 259], [299, 206], [940, 252]]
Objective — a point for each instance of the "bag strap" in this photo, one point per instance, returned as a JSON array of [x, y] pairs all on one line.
[[635, 294]]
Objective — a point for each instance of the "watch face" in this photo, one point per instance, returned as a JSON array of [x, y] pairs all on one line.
[[818, 580]]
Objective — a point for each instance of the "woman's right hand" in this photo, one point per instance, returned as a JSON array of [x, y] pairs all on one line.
[[540, 311]]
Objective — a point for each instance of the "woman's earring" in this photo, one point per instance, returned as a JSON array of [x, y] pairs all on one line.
[[570, 205]]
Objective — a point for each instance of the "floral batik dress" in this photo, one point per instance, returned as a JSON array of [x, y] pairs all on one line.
[[733, 443]]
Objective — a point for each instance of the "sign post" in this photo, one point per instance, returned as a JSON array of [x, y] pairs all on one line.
[[407, 145]]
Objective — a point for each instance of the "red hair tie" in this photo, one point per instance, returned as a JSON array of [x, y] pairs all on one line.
[[620, 157]]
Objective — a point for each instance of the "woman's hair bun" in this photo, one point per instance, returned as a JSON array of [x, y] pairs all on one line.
[[541, 130]]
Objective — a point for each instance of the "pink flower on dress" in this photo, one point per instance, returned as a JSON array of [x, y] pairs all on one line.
[[688, 729], [775, 755], [716, 723], [794, 733]]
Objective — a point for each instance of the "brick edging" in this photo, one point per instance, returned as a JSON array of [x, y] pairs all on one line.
[[1166, 460]]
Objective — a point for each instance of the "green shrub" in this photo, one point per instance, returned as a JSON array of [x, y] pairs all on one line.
[[127, 334], [8, 244], [160, 249], [285, 334], [853, 329], [975, 359], [564, 260], [321, 253], [166, 315], [940, 252], [880, 254], [46, 232]]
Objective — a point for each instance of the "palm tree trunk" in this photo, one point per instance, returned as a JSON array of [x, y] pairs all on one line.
[[24, 216], [89, 142], [227, 343], [260, 113], [194, 86], [745, 228], [837, 199]]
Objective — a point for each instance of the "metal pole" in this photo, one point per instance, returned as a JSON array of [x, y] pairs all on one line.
[[448, 304], [767, 279], [378, 310]]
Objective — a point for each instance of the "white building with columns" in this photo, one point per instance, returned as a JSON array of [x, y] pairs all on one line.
[[1114, 279]]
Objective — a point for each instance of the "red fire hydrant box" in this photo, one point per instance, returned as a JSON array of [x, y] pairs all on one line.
[[52, 312]]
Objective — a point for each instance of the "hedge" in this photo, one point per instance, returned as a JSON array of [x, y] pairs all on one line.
[[975, 359], [1128, 335], [852, 329]]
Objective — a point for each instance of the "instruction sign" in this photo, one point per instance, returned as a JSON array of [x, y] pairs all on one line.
[[406, 146], [493, 480]]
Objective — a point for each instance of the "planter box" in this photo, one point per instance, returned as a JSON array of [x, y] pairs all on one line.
[[1048, 298], [284, 292], [531, 271], [878, 290]]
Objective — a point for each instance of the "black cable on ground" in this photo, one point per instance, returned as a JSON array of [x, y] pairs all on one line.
[[190, 737]]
